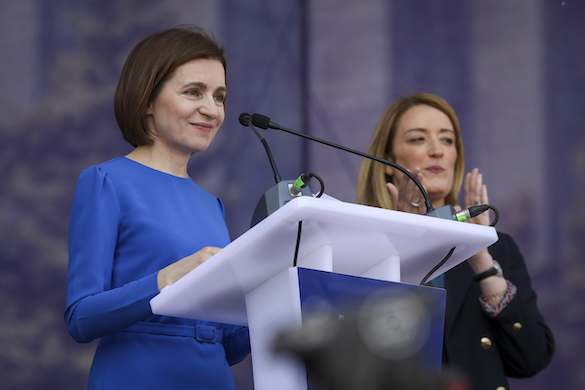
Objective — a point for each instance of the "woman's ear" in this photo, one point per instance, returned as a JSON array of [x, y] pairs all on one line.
[[149, 109], [388, 170], [148, 121]]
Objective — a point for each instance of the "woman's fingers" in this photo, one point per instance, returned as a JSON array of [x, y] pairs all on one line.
[[472, 187], [407, 196], [178, 269], [475, 193], [393, 193]]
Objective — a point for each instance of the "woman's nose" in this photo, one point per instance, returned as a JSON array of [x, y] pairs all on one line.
[[435, 148], [209, 107]]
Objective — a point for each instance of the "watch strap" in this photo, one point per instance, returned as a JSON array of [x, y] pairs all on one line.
[[486, 274]]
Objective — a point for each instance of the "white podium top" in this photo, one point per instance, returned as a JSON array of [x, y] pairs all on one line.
[[358, 237]]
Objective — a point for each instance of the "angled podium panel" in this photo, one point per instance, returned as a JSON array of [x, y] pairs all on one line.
[[338, 237], [252, 281]]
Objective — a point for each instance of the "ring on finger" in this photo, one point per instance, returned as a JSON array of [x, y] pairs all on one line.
[[415, 204]]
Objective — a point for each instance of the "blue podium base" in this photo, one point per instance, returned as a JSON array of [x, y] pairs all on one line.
[[391, 320]]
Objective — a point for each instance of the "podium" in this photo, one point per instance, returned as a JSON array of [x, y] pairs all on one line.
[[252, 281]]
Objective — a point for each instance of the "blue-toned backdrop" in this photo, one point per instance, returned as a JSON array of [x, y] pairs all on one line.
[[513, 70]]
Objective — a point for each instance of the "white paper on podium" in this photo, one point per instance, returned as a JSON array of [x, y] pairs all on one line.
[[360, 238]]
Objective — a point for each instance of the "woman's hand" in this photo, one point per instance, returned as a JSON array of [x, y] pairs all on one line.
[[177, 270], [475, 192], [407, 197]]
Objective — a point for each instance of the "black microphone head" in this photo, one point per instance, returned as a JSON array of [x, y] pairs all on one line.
[[245, 118], [260, 121]]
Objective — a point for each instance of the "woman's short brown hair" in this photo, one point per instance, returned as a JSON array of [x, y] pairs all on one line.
[[372, 189], [150, 64]]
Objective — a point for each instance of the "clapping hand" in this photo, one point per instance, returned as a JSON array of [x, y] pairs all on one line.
[[407, 196], [475, 193]]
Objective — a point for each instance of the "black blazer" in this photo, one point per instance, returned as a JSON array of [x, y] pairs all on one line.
[[517, 343]]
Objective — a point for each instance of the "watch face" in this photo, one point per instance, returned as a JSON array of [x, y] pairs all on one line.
[[498, 268]]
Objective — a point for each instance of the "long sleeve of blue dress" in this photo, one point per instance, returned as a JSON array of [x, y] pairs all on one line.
[[94, 307]]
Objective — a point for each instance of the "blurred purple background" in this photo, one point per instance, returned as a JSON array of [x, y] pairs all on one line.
[[513, 70]]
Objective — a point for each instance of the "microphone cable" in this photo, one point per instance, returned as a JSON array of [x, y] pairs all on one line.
[[474, 211], [461, 216], [436, 267], [299, 184]]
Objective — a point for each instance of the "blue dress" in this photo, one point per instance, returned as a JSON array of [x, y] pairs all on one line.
[[127, 222]]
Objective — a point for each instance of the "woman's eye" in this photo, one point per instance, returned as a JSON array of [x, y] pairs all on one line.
[[193, 92], [220, 98], [416, 139], [449, 141]]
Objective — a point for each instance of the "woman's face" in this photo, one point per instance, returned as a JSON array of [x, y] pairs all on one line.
[[188, 111], [425, 139]]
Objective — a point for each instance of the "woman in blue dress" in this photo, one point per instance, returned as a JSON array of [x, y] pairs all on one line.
[[139, 223]]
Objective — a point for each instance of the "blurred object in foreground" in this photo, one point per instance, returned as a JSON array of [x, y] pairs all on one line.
[[373, 348]]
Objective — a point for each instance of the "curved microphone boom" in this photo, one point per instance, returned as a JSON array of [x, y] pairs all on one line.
[[246, 120], [264, 122], [278, 195]]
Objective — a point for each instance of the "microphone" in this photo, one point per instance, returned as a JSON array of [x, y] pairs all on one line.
[[279, 194], [245, 118], [264, 122]]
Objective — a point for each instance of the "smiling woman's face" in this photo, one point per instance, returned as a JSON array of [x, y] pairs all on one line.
[[188, 111], [425, 139]]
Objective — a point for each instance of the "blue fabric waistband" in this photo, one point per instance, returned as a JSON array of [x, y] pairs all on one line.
[[202, 333]]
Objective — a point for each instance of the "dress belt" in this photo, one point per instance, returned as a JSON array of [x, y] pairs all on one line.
[[202, 333]]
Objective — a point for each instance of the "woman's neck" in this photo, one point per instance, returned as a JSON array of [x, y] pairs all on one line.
[[155, 158]]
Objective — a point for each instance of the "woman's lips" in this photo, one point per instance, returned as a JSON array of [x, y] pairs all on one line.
[[435, 169], [206, 127]]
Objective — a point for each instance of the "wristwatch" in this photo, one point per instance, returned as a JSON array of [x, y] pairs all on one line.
[[495, 270]]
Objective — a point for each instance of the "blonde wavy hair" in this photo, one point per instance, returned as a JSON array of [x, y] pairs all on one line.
[[371, 189]]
